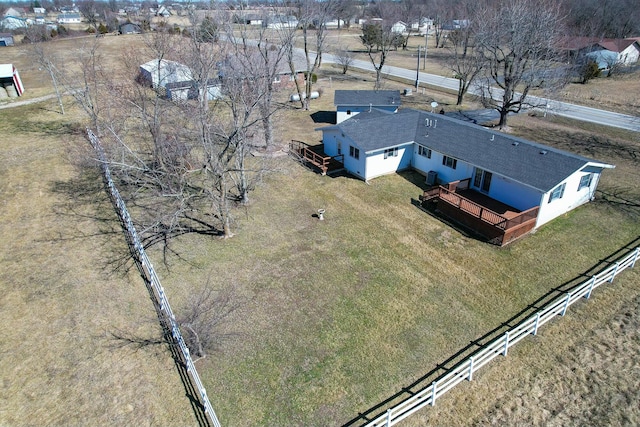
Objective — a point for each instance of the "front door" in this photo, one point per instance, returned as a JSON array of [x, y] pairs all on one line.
[[482, 180]]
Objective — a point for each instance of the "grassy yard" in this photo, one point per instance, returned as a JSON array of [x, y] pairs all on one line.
[[335, 315]]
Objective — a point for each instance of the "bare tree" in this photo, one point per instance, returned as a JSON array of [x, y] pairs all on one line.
[[49, 65], [516, 42], [344, 58], [264, 59], [378, 39], [313, 17], [90, 11], [465, 67], [204, 319]]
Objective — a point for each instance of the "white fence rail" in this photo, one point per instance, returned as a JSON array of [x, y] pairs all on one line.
[[499, 346], [158, 291]]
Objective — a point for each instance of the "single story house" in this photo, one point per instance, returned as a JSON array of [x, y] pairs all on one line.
[[13, 23], [6, 39], [163, 11], [399, 27], [69, 18], [176, 79], [129, 28], [606, 52], [351, 102], [248, 18], [532, 183], [280, 22], [158, 73], [14, 11], [39, 10]]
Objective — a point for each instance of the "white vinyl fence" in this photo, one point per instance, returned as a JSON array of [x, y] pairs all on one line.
[[464, 370], [161, 302]]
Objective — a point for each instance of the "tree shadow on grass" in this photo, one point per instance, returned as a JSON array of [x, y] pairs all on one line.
[[477, 345], [85, 198]]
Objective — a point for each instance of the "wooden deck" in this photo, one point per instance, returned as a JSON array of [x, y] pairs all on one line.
[[315, 156], [498, 222]]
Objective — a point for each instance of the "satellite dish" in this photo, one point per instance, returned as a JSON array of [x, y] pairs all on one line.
[[434, 104]]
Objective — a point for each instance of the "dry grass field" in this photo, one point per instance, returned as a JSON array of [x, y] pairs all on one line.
[[335, 316]]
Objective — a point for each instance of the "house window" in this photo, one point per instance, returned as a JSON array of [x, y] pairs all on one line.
[[557, 193], [585, 181], [391, 152], [449, 162], [424, 151], [354, 152], [348, 112], [276, 79], [291, 77]]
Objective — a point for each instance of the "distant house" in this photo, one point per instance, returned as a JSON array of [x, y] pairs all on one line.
[[606, 52], [69, 18], [176, 79], [6, 39], [456, 24], [351, 102], [39, 20], [13, 23], [248, 18], [423, 26], [163, 11], [500, 186], [129, 28], [399, 27], [13, 11], [280, 21], [39, 10]]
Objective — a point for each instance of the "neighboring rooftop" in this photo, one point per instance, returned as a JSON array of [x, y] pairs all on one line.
[[367, 97]]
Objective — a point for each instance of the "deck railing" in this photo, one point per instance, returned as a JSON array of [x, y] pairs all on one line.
[[524, 221], [310, 153]]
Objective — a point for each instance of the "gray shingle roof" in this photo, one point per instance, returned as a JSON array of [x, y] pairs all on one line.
[[535, 165], [367, 97]]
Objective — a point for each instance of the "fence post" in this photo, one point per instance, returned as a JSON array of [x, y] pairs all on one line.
[[433, 393], [593, 282], [535, 325], [635, 257], [389, 417], [566, 304], [470, 377], [614, 272], [506, 343]]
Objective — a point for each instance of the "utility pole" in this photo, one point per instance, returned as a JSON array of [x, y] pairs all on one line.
[[418, 71], [426, 43]]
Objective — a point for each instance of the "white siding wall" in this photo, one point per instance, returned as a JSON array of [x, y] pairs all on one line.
[[513, 193], [329, 139], [629, 55], [377, 165], [571, 198]]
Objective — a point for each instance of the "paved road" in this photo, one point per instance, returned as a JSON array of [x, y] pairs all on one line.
[[564, 109]]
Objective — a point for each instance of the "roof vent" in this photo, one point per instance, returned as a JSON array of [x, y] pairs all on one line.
[[492, 137], [543, 152], [515, 143]]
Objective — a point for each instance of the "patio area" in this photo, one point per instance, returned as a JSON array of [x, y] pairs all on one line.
[[499, 223]]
